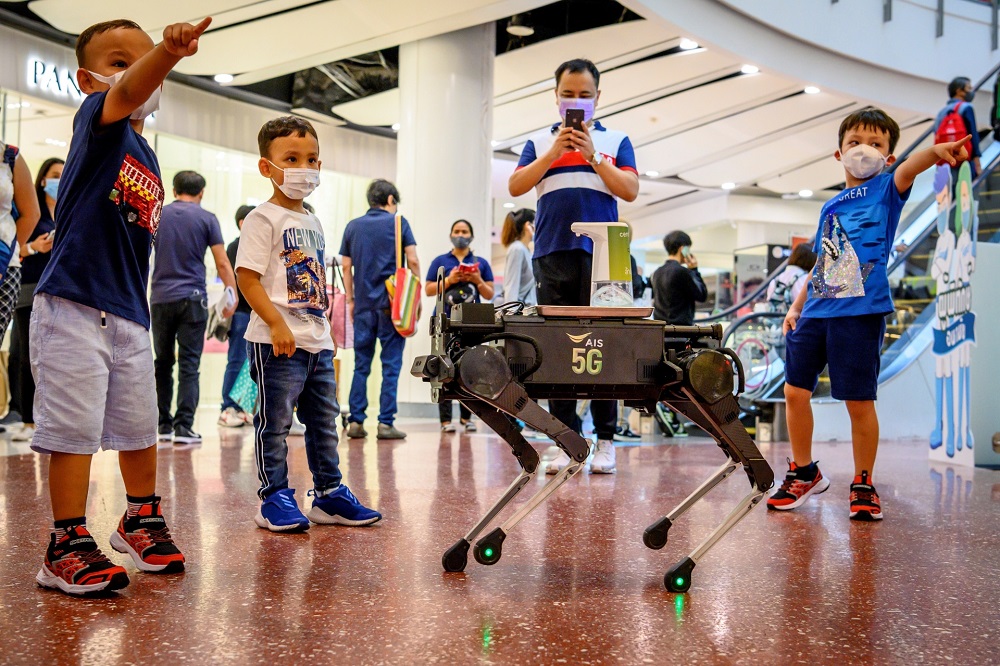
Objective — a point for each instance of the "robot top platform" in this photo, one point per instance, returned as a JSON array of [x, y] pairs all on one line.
[[587, 312]]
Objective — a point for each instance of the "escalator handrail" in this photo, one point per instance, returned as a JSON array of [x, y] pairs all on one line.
[[901, 258], [733, 309], [744, 319], [930, 130]]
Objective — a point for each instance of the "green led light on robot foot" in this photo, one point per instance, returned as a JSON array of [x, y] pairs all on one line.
[[679, 581], [488, 553]]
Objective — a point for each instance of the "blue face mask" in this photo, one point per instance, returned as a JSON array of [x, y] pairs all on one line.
[[52, 188]]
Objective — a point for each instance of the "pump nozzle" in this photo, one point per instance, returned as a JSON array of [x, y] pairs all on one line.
[[611, 272]]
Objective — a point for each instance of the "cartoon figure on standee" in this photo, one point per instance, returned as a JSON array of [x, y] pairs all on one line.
[[942, 271], [966, 223]]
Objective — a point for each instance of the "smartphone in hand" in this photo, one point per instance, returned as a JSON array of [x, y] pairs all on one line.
[[574, 119]]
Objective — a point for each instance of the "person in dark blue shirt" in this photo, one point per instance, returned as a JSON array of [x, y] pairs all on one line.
[[466, 279], [178, 301], [369, 248], [90, 347]]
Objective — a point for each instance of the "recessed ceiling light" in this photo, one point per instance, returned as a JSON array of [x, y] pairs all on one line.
[[805, 194], [789, 195], [509, 204], [652, 174], [728, 186], [750, 69], [687, 44], [811, 90], [223, 78], [55, 142], [395, 127]]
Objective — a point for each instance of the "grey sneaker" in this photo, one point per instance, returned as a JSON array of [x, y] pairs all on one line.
[[386, 431], [355, 431]]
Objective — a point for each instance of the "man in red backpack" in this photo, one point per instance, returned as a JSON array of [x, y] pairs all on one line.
[[958, 118]]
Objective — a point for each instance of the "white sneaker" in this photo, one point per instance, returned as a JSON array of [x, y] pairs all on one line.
[[230, 418], [557, 464], [23, 434], [603, 461], [297, 427]]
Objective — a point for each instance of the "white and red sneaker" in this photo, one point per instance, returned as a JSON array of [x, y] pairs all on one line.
[[146, 539], [797, 487], [865, 504], [75, 565]]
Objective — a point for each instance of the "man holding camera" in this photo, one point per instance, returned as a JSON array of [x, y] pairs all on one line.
[[579, 170]]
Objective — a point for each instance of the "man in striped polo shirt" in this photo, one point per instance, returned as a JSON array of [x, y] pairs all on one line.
[[579, 175]]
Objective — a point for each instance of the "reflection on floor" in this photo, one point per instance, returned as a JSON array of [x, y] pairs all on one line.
[[575, 585]]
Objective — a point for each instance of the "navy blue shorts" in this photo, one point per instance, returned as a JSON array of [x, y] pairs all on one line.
[[851, 346]]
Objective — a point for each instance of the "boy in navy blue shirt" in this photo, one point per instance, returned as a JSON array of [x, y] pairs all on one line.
[[840, 319], [89, 335]]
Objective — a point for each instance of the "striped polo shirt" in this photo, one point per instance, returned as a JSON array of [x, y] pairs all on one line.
[[571, 191]]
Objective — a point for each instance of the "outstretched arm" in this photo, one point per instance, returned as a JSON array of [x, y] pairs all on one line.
[[952, 153]]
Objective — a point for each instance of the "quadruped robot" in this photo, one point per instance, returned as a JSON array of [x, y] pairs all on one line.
[[499, 361]]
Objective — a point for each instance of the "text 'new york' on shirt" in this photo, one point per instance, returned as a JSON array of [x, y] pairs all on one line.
[[288, 250], [855, 236], [110, 199], [571, 190]]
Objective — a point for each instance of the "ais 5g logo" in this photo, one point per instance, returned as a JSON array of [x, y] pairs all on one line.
[[588, 358]]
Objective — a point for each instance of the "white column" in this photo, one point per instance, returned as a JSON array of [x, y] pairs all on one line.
[[444, 155]]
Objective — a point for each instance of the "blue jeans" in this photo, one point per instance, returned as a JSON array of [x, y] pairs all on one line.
[[369, 326], [306, 380], [237, 356]]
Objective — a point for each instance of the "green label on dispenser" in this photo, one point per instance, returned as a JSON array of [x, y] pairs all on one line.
[[619, 263]]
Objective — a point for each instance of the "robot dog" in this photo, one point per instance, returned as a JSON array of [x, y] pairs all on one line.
[[499, 361]]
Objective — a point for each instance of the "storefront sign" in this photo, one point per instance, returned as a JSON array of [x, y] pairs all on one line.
[[56, 80]]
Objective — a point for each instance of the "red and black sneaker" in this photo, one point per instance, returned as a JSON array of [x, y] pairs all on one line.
[[797, 487], [75, 565], [865, 504], [147, 540]]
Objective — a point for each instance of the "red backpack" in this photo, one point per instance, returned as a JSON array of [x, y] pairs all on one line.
[[951, 128]]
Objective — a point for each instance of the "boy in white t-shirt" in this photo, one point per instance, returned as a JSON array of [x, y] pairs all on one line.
[[281, 271]]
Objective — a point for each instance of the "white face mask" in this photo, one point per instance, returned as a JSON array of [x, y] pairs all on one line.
[[863, 161], [149, 106], [299, 183]]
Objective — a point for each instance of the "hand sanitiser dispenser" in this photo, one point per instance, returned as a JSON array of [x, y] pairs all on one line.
[[611, 274]]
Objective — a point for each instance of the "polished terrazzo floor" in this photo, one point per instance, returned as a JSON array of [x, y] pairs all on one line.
[[575, 585]]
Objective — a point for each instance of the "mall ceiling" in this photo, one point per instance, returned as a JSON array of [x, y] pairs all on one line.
[[699, 119]]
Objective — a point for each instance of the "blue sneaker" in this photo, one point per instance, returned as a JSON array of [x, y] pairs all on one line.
[[341, 507], [280, 513]]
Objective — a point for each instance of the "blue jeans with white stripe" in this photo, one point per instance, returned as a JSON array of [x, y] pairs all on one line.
[[308, 381]]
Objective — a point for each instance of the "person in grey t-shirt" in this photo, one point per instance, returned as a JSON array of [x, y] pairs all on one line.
[[518, 277], [178, 299]]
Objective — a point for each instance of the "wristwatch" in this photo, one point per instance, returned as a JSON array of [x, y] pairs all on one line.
[[596, 159]]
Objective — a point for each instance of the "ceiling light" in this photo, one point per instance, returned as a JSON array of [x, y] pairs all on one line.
[[223, 78], [652, 174], [789, 195], [519, 27], [395, 127], [811, 90], [509, 204], [728, 186], [55, 142], [805, 194], [750, 69], [687, 44]]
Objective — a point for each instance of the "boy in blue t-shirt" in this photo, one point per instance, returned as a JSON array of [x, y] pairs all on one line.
[[89, 336], [281, 271], [840, 319]]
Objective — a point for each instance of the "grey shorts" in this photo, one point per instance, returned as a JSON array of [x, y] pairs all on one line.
[[94, 384]]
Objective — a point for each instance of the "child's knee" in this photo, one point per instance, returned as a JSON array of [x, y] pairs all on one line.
[[797, 396], [860, 408]]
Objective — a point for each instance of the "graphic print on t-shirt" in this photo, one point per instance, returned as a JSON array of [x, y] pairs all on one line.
[[839, 273], [305, 272], [138, 194]]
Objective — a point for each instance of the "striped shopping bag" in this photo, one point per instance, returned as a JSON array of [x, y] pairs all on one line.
[[404, 290]]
